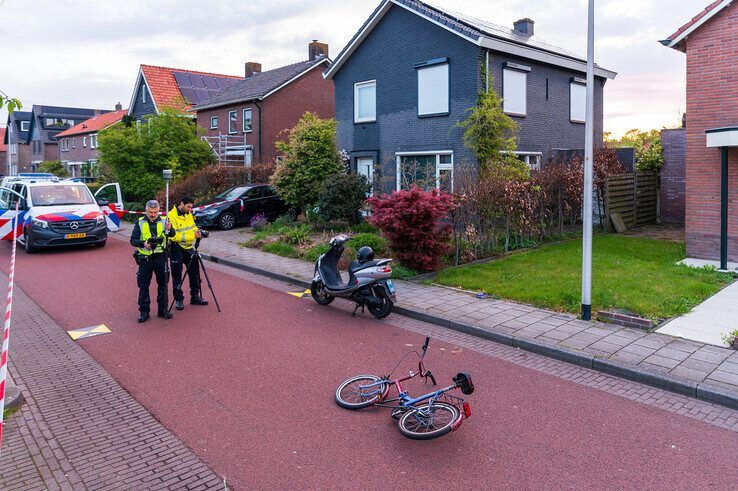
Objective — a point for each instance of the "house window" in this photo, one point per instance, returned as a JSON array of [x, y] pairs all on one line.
[[433, 90], [232, 121], [531, 159], [143, 93], [365, 102], [577, 101], [93, 141], [25, 125], [214, 122], [74, 143], [84, 141], [247, 120], [425, 170], [514, 90]]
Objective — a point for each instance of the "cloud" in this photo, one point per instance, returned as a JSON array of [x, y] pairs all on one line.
[[87, 53]]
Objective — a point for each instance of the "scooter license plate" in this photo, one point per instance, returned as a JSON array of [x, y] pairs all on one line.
[[391, 286]]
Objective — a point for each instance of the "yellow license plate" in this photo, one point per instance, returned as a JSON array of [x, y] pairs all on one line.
[[76, 236]]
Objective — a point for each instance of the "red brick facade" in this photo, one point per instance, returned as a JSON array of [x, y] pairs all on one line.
[[279, 111], [81, 150], [712, 102]]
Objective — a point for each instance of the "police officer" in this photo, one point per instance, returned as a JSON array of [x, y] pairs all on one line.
[[182, 245], [149, 237]]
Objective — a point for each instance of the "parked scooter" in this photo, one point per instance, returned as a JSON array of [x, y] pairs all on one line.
[[368, 285]]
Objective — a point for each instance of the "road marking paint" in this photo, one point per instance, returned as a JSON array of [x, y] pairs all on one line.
[[88, 332], [300, 294]]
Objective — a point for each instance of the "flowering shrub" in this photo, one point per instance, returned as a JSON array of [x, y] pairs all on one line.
[[258, 221], [412, 222]]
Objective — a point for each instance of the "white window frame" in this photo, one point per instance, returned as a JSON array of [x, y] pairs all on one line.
[[243, 123], [532, 159], [74, 143], [439, 166], [446, 96], [143, 93], [93, 141], [572, 84], [235, 125], [213, 122], [27, 124], [357, 86], [84, 142], [509, 110]]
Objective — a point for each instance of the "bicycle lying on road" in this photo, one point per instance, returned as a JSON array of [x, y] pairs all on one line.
[[422, 418]]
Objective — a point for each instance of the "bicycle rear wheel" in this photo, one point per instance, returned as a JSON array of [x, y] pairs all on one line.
[[352, 394], [427, 422]]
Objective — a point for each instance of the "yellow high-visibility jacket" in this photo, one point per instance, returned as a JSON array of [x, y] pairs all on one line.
[[184, 226]]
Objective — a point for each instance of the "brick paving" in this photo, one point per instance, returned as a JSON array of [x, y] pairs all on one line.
[[79, 429], [695, 363], [695, 409]]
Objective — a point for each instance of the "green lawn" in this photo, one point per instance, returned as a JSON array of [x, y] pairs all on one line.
[[635, 274]]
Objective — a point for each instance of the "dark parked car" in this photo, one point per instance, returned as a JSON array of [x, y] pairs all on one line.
[[240, 205]]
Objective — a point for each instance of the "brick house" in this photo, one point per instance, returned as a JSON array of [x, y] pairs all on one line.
[[46, 123], [160, 87], [671, 176], [243, 122], [18, 157], [78, 145], [3, 146], [711, 188], [412, 71]]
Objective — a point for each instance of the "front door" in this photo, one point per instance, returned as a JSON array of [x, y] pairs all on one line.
[[365, 167]]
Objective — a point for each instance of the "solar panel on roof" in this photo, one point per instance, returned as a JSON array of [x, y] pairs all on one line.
[[202, 95], [182, 79], [197, 81], [210, 83], [189, 94]]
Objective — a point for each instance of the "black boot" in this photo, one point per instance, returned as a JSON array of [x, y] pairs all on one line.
[[143, 317], [166, 315], [179, 304], [198, 301]]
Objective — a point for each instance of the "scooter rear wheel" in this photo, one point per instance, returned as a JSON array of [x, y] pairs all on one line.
[[385, 307], [320, 294]]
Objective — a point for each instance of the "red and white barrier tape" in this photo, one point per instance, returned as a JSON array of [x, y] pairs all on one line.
[[6, 328]]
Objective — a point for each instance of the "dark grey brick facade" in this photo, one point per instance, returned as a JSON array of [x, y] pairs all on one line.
[[674, 143], [389, 54]]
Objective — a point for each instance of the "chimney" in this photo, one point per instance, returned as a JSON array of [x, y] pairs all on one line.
[[524, 27], [119, 107], [252, 68], [316, 49]]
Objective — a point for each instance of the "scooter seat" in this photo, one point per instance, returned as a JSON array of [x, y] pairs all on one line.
[[355, 266]]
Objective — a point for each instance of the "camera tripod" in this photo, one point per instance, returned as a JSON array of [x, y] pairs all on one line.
[[196, 256]]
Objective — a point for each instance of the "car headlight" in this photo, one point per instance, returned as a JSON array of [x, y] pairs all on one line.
[[40, 223], [209, 212], [100, 220]]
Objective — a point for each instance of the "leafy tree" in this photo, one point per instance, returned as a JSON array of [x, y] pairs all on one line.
[[54, 167], [10, 103], [647, 145], [488, 130], [341, 197], [310, 156], [136, 155]]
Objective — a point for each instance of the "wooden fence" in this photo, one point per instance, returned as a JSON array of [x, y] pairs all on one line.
[[634, 196]]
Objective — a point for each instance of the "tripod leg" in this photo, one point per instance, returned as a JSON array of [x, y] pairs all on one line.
[[184, 277], [207, 279]]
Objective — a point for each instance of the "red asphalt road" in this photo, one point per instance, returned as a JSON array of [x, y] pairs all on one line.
[[250, 390]]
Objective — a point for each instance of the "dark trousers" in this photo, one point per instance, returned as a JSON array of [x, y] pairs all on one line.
[[155, 265], [180, 259]]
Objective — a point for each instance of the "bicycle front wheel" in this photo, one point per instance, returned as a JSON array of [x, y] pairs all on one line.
[[427, 422], [353, 393]]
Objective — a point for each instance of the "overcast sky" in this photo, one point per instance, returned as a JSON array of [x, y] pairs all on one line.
[[86, 53]]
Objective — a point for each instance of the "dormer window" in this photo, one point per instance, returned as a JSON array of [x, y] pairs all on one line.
[[25, 125]]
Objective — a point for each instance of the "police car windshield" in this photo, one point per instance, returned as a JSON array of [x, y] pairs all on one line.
[[232, 193], [60, 194]]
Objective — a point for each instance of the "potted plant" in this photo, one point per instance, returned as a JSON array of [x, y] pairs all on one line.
[[732, 338]]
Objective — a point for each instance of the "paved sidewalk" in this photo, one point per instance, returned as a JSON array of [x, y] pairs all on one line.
[[79, 429], [688, 367]]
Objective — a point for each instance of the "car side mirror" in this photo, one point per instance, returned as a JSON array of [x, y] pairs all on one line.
[[102, 202]]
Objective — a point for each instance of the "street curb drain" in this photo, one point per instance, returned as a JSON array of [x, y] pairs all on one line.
[[660, 380]]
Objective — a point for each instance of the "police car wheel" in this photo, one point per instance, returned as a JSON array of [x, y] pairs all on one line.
[[227, 221], [28, 246]]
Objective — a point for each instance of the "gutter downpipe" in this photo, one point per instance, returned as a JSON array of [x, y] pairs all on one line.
[[256, 103]]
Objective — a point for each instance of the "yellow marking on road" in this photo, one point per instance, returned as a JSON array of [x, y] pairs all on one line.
[[88, 332], [300, 294]]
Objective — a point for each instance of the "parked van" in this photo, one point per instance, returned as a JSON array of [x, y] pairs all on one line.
[[54, 212]]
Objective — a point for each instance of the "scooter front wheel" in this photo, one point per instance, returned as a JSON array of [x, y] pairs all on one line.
[[320, 294], [384, 308]]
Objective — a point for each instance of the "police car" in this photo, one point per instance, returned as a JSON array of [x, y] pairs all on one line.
[[54, 212]]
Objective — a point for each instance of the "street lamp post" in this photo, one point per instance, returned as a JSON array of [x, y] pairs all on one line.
[[167, 174], [588, 164]]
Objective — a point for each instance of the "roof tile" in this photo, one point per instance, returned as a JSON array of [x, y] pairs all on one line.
[[163, 87], [95, 123]]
